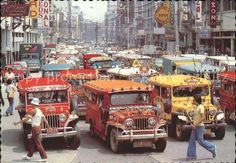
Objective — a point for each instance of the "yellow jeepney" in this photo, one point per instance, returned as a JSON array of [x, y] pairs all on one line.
[[174, 96]]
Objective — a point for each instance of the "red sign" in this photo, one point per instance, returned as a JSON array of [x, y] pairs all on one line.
[[14, 10], [213, 14]]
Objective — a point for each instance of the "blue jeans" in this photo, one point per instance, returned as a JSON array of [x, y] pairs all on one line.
[[10, 108], [198, 134]]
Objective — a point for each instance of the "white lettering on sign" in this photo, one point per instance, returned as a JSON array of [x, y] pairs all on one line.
[[198, 13], [44, 12], [213, 14]]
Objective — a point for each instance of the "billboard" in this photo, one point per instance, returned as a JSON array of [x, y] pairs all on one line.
[[14, 10]]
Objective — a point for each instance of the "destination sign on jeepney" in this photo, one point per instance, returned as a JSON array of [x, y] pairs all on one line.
[[47, 88]]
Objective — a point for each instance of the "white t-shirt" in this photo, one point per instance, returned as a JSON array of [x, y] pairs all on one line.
[[37, 118], [9, 76]]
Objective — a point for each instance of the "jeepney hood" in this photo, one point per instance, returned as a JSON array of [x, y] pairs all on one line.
[[54, 108], [129, 112]]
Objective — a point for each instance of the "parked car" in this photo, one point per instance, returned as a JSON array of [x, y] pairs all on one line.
[[24, 66], [121, 111]]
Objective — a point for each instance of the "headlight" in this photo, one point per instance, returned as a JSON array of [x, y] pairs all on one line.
[[99, 66], [212, 112], [129, 122], [191, 113], [113, 66], [62, 117], [152, 121]]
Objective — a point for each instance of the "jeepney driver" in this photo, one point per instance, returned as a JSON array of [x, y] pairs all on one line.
[[36, 116]]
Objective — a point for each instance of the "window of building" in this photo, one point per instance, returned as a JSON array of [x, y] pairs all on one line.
[[228, 5]]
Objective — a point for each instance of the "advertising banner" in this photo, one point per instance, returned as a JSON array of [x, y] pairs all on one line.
[[14, 10], [198, 16], [162, 14], [34, 9], [44, 12], [213, 14]]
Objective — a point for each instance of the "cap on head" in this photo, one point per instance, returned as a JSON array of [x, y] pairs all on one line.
[[35, 101]]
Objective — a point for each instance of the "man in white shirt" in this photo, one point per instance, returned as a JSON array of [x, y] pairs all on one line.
[[9, 74], [36, 116]]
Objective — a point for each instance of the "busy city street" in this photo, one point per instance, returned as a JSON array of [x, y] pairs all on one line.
[[118, 81]]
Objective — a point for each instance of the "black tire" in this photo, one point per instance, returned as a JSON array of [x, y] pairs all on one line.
[[74, 142], [180, 135], [116, 146], [227, 116], [220, 133], [160, 144]]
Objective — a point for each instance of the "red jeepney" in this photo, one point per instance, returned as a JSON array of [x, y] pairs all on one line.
[[121, 111], [227, 94], [86, 57], [54, 95], [17, 70], [77, 77]]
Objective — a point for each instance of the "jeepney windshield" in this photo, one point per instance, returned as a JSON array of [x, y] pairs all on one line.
[[47, 97], [190, 91], [130, 98], [30, 56], [140, 79]]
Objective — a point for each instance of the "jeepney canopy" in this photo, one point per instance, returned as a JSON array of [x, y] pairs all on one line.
[[198, 68], [228, 75], [178, 80], [56, 67], [100, 58], [130, 71], [42, 84], [79, 74], [111, 86]]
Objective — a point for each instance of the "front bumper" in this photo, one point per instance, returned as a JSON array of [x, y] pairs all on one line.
[[151, 134], [82, 110], [211, 126], [57, 132]]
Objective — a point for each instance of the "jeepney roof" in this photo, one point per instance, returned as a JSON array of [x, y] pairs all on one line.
[[199, 68], [116, 86], [34, 84], [127, 71], [178, 80], [79, 73], [56, 67], [183, 58], [230, 75], [221, 58], [91, 55], [136, 56], [100, 58], [230, 62]]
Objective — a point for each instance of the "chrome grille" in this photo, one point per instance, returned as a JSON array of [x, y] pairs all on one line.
[[53, 121], [207, 115], [141, 123]]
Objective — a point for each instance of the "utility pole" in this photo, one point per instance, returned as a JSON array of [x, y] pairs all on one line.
[[177, 26], [96, 32], [128, 23]]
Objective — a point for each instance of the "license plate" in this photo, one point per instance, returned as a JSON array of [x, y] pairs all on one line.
[[52, 131], [142, 143]]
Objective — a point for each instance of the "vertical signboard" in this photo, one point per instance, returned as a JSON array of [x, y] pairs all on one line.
[[34, 9], [198, 16], [213, 14], [44, 12], [185, 11]]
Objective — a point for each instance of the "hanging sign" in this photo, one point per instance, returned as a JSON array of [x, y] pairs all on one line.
[[34, 9], [44, 12], [14, 10], [213, 14], [162, 14], [198, 16]]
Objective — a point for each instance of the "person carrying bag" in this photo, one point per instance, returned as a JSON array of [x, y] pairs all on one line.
[[10, 90]]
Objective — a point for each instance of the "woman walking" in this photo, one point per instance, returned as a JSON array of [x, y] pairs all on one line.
[[10, 90], [198, 131]]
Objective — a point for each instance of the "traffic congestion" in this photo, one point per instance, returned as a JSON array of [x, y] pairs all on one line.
[[119, 96]]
